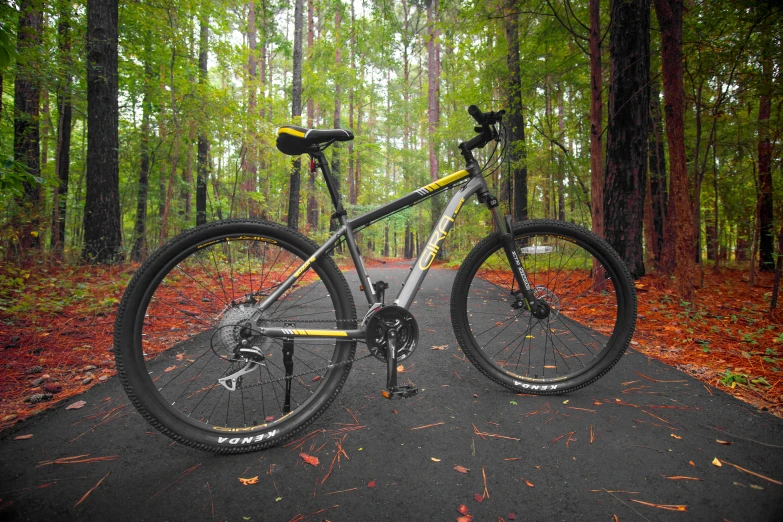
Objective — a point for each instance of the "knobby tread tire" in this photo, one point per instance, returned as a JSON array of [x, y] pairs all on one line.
[[471, 264], [125, 323]]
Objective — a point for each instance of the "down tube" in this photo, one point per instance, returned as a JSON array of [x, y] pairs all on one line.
[[430, 250]]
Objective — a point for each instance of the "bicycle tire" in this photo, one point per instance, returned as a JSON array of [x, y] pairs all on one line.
[[591, 319], [178, 323]]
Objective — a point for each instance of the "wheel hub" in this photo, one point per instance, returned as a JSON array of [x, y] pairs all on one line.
[[234, 340]]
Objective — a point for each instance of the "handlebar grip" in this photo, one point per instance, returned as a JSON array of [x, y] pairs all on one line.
[[477, 114]]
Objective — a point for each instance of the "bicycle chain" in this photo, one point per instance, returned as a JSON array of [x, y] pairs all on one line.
[[328, 366]]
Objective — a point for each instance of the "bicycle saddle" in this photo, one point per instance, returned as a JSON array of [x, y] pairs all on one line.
[[294, 140]]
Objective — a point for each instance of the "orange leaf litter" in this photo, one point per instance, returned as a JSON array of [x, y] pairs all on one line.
[[75, 328]]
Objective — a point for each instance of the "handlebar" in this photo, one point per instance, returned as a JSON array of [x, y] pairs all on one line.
[[488, 118], [486, 131]]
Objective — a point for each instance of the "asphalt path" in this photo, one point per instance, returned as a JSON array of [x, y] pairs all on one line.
[[640, 444]]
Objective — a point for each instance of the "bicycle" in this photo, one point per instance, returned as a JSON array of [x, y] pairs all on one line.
[[237, 335]]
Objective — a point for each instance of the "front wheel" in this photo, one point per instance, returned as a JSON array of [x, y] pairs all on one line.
[[590, 301], [191, 363]]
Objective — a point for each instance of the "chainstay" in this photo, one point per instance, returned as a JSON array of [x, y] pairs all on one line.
[[327, 367]]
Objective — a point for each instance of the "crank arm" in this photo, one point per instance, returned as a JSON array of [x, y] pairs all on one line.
[[229, 382]]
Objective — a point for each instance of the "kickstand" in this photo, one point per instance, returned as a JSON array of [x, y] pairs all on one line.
[[392, 390], [288, 364]]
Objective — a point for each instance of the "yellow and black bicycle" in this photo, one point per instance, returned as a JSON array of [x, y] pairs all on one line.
[[236, 335]]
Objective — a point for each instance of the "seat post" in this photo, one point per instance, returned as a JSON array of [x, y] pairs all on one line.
[[331, 184]]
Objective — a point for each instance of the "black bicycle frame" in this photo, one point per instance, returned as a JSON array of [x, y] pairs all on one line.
[[476, 184]]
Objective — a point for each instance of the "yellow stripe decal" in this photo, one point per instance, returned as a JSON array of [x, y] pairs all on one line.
[[325, 333], [292, 132], [445, 181]]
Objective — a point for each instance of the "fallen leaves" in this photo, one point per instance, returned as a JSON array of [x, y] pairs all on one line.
[[477, 497], [667, 507], [680, 477], [716, 462], [427, 426], [24, 437], [371, 484], [91, 490], [313, 461], [76, 405], [443, 347], [433, 459], [248, 481], [461, 469], [77, 459], [530, 484], [463, 509]]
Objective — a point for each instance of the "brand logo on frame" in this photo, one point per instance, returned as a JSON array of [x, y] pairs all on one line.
[[433, 245]]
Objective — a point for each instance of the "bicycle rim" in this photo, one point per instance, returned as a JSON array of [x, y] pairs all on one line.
[[588, 325], [190, 327]]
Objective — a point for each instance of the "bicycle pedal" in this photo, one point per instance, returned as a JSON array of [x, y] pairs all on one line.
[[400, 392]]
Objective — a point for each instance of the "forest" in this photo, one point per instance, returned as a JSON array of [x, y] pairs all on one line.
[[201, 87], [655, 123]]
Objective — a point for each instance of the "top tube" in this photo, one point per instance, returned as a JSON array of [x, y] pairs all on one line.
[[409, 199]]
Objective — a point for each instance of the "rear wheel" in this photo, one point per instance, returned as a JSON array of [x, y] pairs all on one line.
[[193, 369], [590, 301]]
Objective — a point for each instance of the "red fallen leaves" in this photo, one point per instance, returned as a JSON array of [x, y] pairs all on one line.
[[24, 437], [371, 484], [248, 481], [477, 497], [461, 469], [170, 369], [76, 405], [463, 509], [511, 515], [466, 518], [313, 461]]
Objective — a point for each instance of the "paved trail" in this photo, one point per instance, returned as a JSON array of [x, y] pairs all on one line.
[[644, 435]]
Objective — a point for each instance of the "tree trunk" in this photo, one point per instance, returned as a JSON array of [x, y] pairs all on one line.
[[102, 232], [312, 202], [626, 142], [63, 157], [596, 121], [678, 235], [336, 173], [657, 173], [250, 166], [296, 113], [515, 118], [766, 239], [26, 125], [140, 226], [202, 156]]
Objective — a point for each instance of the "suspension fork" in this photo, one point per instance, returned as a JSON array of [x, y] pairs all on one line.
[[506, 230]]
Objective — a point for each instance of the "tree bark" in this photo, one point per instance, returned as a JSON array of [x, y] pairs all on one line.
[[63, 157], [657, 173], [596, 121], [139, 250], [26, 124], [515, 118], [766, 233], [312, 202], [336, 168], [678, 235], [296, 113], [626, 142], [102, 232], [202, 155]]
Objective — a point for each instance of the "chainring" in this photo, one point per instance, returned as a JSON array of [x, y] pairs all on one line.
[[392, 317]]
